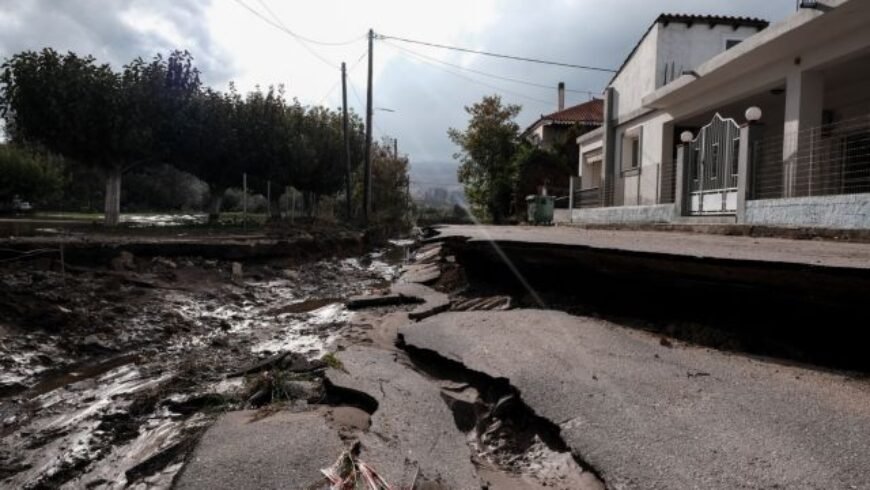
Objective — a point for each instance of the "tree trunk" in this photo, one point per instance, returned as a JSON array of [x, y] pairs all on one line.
[[308, 202], [113, 196], [214, 207]]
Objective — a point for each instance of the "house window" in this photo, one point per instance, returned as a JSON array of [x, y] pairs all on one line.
[[730, 43], [632, 149], [635, 152]]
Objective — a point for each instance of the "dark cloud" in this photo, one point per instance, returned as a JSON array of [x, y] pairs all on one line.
[[113, 31], [428, 99]]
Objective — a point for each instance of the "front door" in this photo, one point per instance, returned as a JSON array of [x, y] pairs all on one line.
[[711, 161]]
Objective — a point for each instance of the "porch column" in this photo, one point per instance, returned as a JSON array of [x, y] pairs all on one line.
[[804, 99], [749, 135], [608, 171], [571, 198], [679, 184]]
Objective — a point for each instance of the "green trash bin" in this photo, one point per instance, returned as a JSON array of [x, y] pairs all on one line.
[[540, 209]]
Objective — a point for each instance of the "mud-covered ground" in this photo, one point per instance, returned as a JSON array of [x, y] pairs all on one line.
[[108, 374]]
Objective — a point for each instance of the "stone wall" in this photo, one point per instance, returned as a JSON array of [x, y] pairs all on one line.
[[658, 213], [848, 211]]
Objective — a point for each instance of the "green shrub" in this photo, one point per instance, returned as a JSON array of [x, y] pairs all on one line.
[[29, 175]]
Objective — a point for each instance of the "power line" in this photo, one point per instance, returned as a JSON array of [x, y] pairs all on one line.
[[491, 75], [284, 28], [494, 87], [497, 55], [335, 85], [377, 128], [302, 40], [331, 89]]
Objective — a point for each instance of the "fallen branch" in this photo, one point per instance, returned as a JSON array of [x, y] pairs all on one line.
[[348, 472]]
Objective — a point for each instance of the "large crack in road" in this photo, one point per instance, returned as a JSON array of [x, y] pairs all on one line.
[[510, 443], [486, 396]]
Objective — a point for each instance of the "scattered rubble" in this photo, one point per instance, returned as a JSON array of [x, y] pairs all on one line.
[[109, 377]]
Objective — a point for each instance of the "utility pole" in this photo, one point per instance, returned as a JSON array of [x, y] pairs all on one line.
[[396, 148], [367, 206], [344, 124]]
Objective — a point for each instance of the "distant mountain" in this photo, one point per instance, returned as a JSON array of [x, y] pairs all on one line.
[[425, 175]]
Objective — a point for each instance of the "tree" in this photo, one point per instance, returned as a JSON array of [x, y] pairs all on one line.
[[538, 167], [486, 156], [29, 175], [211, 144], [88, 113], [391, 205], [265, 127]]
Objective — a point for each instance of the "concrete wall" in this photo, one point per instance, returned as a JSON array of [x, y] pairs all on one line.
[[688, 47], [561, 216], [637, 78], [640, 186], [659, 213], [850, 211]]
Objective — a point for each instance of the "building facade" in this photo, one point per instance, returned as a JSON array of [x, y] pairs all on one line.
[[676, 144]]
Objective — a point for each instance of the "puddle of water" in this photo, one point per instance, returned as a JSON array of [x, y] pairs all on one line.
[[303, 306], [78, 373], [143, 220]]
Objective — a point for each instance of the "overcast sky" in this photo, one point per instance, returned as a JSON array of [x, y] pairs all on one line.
[[231, 43]]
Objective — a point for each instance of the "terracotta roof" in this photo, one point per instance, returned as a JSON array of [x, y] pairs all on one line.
[[591, 112]]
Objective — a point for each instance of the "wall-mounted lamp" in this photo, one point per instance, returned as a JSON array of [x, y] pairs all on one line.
[[686, 137], [753, 114]]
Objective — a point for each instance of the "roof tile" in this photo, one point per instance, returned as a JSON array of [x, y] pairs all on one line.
[[587, 112]]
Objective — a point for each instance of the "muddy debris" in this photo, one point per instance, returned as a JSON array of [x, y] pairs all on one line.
[[108, 376], [384, 299]]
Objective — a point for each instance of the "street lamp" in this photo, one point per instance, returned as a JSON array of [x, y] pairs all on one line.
[[753, 114], [686, 137]]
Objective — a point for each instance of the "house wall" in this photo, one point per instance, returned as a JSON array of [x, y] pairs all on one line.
[[637, 78], [685, 47], [590, 150], [850, 211], [641, 186], [660, 213]]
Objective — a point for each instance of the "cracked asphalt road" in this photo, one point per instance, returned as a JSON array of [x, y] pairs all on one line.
[[823, 253], [656, 417], [412, 428]]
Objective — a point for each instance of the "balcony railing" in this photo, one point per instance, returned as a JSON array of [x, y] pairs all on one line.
[[587, 198], [828, 160]]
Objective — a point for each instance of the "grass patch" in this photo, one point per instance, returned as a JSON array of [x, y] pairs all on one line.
[[332, 361]]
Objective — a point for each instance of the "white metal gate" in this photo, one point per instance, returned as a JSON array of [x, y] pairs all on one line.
[[711, 161]]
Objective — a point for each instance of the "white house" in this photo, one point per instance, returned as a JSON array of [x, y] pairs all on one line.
[[675, 144]]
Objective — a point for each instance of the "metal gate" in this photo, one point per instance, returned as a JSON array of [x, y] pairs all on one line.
[[712, 168]]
